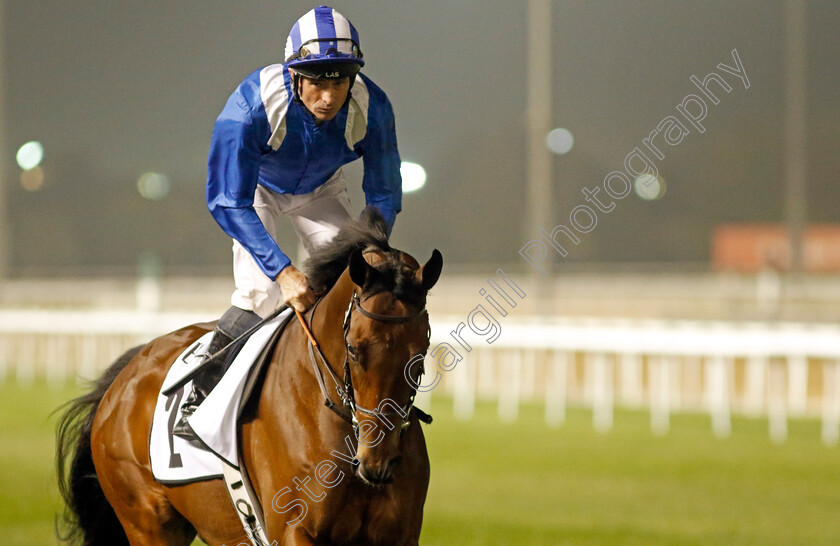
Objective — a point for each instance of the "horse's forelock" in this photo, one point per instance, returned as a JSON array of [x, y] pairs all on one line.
[[396, 275], [397, 269]]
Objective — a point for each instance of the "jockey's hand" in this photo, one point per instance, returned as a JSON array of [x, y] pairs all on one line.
[[295, 287]]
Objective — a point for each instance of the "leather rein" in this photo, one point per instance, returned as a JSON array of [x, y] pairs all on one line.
[[344, 387]]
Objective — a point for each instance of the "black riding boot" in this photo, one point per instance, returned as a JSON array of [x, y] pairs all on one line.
[[233, 323]]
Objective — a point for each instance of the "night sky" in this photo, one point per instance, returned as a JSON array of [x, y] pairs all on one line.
[[116, 89]]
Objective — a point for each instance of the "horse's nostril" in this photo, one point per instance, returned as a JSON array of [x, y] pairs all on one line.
[[390, 469], [395, 463]]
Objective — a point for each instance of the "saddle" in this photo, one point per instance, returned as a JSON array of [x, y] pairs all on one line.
[[178, 461]]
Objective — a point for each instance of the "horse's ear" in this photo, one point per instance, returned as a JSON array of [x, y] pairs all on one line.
[[430, 272], [358, 268]]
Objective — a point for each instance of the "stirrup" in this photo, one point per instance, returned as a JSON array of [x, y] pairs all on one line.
[[182, 428]]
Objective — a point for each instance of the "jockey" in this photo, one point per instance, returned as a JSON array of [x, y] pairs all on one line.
[[277, 149]]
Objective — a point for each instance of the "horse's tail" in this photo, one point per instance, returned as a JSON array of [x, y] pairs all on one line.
[[88, 519]]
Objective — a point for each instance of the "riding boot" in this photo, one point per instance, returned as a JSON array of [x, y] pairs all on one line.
[[203, 383], [233, 323]]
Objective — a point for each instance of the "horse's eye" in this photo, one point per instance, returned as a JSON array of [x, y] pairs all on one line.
[[351, 350]]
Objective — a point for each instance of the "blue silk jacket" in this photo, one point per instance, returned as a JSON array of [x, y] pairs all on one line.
[[265, 137]]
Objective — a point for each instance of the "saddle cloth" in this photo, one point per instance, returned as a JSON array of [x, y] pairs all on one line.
[[178, 461]]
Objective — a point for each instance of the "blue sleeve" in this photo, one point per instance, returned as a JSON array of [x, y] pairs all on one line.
[[382, 182], [239, 140]]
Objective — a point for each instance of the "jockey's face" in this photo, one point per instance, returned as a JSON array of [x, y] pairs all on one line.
[[324, 97]]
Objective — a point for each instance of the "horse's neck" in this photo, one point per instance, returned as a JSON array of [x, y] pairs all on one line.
[[326, 324], [282, 395], [291, 396]]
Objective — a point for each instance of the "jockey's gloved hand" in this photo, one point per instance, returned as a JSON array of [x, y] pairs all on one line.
[[296, 290]]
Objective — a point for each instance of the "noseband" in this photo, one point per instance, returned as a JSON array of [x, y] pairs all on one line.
[[344, 388]]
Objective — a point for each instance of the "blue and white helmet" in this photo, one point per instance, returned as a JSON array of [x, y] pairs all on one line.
[[324, 44]]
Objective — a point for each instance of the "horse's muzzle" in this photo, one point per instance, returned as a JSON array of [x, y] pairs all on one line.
[[381, 474]]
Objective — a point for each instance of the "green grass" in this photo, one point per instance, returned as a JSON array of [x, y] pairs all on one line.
[[29, 497], [527, 484]]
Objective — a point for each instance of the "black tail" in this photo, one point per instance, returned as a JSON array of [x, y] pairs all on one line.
[[88, 518]]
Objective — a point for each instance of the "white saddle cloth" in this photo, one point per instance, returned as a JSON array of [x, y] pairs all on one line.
[[175, 460]]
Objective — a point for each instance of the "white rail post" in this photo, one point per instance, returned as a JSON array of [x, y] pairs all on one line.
[[777, 403], [510, 389], [87, 359], [797, 385], [831, 403], [572, 389], [718, 368], [755, 385], [463, 395], [486, 373], [27, 355], [674, 366], [5, 356], [693, 372], [660, 418], [602, 392], [631, 385], [529, 370], [57, 355], [555, 396], [588, 390]]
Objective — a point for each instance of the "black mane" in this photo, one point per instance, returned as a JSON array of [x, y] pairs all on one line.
[[328, 262]]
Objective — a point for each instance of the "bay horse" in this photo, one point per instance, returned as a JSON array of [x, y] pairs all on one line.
[[287, 433]]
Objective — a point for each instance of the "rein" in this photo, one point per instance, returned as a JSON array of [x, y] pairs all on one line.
[[344, 388]]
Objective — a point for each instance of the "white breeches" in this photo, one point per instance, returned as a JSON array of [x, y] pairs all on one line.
[[316, 217]]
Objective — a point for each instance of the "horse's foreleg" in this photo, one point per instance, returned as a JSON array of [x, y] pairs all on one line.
[[154, 523], [144, 529], [140, 537]]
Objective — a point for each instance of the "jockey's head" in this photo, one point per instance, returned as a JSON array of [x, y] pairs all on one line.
[[323, 55]]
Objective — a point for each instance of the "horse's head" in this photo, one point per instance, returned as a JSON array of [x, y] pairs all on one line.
[[387, 330]]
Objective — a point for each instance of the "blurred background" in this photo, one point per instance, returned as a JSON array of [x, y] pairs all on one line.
[[696, 320]]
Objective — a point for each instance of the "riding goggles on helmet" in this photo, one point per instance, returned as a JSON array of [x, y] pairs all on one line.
[[327, 58]]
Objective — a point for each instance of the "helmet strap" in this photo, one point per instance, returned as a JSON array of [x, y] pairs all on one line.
[[296, 88]]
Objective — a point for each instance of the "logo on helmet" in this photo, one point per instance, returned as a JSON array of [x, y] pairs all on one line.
[[332, 75]]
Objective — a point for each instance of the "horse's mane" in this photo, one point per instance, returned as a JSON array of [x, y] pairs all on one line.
[[328, 262]]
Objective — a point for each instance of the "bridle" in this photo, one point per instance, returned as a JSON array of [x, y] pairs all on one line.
[[344, 387]]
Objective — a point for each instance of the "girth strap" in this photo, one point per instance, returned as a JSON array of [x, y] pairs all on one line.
[[246, 503]]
